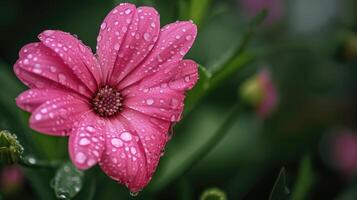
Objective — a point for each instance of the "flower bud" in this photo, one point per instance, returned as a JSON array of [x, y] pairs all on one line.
[[11, 179], [213, 194], [10, 148], [260, 92]]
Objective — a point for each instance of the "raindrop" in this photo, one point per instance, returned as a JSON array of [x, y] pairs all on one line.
[[149, 102], [80, 157], [127, 11], [189, 37], [187, 78], [126, 136], [116, 46], [84, 141], [117, 142], [38, 116], [103, 25], [147, 36]]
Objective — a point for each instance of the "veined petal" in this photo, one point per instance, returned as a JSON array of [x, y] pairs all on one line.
[[161, 95], [33, 98], [86, 141], [40, 67], [174, 42], [78, 57], [127, 36], [58, 116], [133, 150]]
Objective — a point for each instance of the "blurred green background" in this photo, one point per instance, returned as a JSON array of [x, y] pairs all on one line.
[[310, 49]]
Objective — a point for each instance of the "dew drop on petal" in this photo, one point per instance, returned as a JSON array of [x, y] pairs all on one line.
[[90, 129], [126, 136], [116, 142], [147, 37], [149, 102], [116, 46], [103, 25], [80, 157], [91, 162], [38, 116], [84, 141], [187, 78], [189, 37], [127, 11]]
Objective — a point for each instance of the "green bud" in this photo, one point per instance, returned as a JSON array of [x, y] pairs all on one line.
[[252, 91], [213, 194], [10, 148]]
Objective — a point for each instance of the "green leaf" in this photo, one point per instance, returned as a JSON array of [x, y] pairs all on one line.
[[280, 190], [198, 10], [68, 181], [199, 90], [178, 161], [305, 180]]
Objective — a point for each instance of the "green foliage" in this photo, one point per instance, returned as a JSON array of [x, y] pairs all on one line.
[[280, 189], [68, 181]]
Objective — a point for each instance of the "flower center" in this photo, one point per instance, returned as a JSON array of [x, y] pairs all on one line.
[[107, 102]]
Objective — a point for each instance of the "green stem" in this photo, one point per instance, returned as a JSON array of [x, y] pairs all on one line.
[[305, 179], [34, 163], [167, 175]]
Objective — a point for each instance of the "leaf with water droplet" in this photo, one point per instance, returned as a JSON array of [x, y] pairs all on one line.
[[280, 190], [199, 90], [67, 182]]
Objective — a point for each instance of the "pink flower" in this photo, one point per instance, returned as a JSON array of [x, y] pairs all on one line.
[[11, 179], [270, 95], [116, 106], [344, 152], [274, 7]]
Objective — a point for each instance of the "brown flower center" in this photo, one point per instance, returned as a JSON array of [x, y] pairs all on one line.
[[107, 102]]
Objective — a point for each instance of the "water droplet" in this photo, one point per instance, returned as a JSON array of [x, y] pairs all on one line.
[[117, 142], [53, 69], [153, 24], [91, 162], [61, 78], [189, 37], [147, 37], [187, 78], [103, 25], [178, 37], [80, 158], [38, 116], [149, 102], [116, 46], [84, 141], [126, 136], [133, 150], [124, 29], [26, 61], [127, 11], [90, 129]]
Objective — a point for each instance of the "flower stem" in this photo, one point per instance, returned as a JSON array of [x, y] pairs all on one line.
[[168, 174], [31, 162]]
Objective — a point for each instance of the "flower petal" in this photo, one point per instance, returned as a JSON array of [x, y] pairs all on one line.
[[78, 57], [39, 67], [174, 42], [57, 116], [161, 95], [133, 149], [86, 141], [127, 36], [33, 98]]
